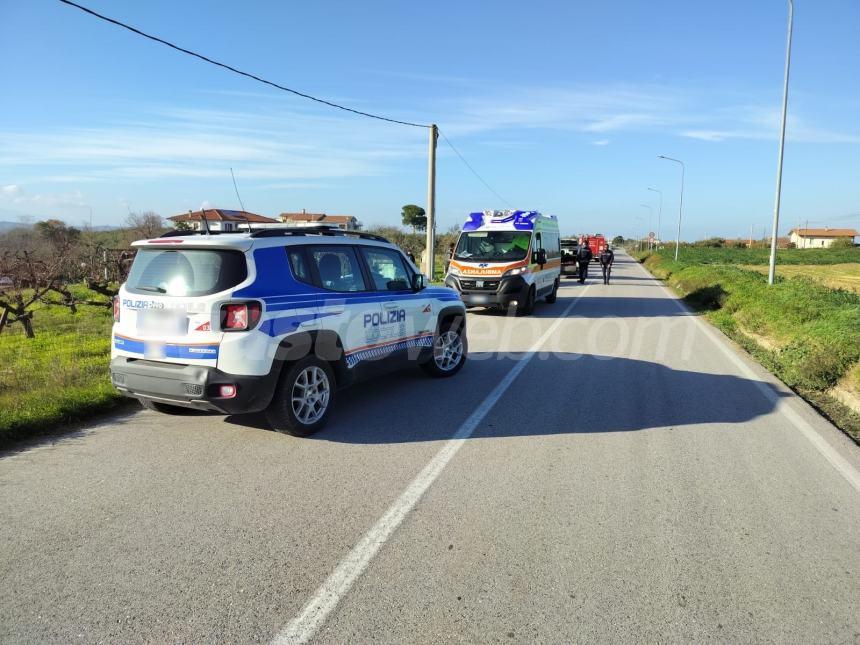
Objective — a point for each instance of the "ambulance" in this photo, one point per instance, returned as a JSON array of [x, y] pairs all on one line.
[[506, 259]]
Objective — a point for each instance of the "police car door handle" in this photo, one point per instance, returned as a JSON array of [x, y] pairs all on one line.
[[391, 305]]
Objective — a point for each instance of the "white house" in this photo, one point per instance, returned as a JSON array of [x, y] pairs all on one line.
[[817, 238]]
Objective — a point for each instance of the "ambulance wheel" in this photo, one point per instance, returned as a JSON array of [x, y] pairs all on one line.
[[449, 351], [551, 298], [528, 306], [164, 408], [303, 398]]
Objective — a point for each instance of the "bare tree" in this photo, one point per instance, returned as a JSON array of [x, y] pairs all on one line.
[[145, 226], [29, 279]]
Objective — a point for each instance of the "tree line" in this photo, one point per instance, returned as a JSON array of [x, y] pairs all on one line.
[[39, 263]]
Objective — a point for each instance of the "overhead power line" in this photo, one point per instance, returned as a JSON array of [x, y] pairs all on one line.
[[264, 81], [237, 71], [474, 172]]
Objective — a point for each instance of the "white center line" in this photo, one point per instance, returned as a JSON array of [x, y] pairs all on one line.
[[302, 628]]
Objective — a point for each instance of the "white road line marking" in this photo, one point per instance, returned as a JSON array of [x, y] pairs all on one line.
[[842, 466], [303, 627]]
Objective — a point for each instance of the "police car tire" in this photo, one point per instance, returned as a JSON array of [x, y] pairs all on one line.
[[528, 307], [551, 298], [280, 414], [165, 408], [430, 366]]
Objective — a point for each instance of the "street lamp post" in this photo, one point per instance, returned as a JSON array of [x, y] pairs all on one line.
[[771, 274], [650, 217], [659, 212], [680, 203]]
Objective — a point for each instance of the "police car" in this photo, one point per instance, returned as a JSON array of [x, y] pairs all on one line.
[[275, 320]]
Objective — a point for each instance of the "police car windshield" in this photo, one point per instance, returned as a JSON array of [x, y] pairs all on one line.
[[492, 246], [187, 272]]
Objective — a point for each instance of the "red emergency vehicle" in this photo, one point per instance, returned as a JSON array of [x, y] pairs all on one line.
[[597, 243]]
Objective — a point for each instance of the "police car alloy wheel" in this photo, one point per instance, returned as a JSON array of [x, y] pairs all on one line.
[[310, 396], [303, 398], [449, 351]]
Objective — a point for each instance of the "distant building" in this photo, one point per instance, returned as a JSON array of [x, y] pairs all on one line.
[[817, 238], [344, 222], [220, 219]]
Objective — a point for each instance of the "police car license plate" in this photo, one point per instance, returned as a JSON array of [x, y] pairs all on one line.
[[162, 322], [154, 350]]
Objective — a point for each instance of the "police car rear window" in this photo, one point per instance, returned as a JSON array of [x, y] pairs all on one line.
[[186, 272]]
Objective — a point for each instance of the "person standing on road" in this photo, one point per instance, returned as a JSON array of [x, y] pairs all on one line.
[[583, 259], [606, 257], [411, 257]]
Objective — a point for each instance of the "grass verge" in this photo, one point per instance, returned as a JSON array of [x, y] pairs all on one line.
[[58, 377], [807, 334]]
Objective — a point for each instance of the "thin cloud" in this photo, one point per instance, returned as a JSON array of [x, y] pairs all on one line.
[[205, 143], [15, 194]]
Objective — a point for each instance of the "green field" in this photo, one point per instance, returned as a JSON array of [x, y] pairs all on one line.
[[836, 276], [735, 257], [805, 332], [59, 376]]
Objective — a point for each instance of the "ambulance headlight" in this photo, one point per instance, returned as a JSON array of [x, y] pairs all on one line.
[[452, 270], [514, 271]]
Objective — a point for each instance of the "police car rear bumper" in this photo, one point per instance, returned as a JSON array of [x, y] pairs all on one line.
[[191, 386], [502, 291]]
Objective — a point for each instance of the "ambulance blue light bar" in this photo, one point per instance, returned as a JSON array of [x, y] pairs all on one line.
[[520, 220]]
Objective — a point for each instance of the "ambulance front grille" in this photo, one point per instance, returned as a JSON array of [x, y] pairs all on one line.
[[489, 285]]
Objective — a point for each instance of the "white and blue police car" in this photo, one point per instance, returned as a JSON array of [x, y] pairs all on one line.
[[275, 320]]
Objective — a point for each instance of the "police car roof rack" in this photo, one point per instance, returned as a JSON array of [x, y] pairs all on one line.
[[315, 230]]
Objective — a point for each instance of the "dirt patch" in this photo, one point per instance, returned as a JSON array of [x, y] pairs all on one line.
[[846, 396], [763, 341]]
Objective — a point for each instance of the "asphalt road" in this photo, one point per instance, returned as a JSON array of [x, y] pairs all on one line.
[[610, 469]]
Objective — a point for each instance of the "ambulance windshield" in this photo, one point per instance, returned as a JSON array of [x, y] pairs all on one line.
[[492, 246]]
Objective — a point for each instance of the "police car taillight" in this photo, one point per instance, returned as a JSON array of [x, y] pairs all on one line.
[[116, 309], [239, 317]]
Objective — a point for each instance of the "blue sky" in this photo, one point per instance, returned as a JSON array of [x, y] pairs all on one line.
[[560, 106]]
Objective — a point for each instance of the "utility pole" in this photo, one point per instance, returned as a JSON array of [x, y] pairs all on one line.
[[772, 270], [751, 235], [431, 202], [680, 203]]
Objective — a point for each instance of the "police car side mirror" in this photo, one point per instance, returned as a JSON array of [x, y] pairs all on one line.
[[417, 281]]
